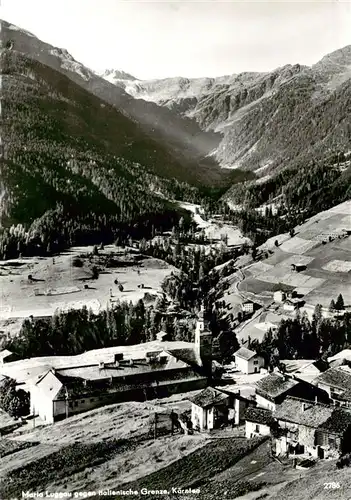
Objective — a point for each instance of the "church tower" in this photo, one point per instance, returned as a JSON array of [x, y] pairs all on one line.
[[203, 341]]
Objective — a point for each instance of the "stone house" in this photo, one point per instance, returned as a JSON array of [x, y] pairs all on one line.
[[315, 429], [334, 435], [337, 383]]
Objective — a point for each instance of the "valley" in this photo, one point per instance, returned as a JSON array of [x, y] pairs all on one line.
[[175, 279]]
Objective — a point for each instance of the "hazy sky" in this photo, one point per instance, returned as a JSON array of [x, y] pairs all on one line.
[[186, 38]]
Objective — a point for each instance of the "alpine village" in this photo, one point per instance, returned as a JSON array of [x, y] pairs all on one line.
[[175, 314]]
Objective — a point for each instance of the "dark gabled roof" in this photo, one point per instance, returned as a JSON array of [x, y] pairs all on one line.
[[209, 397], [189, 356], [336, 377], [259, 416], [245, 353], [338, 423], [313, 415], [275, 385]]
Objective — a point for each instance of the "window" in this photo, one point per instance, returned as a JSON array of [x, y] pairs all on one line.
[[256, 362], [70, 404], [257, 428], [332, 441], [76, 403], [83, 401], [91, 400]]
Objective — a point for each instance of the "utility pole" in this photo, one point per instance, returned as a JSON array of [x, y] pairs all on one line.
[[66, 402], [155, 426]]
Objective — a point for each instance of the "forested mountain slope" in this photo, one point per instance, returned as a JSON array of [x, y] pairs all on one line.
[[74, 169], [268, 120], [182, 137]]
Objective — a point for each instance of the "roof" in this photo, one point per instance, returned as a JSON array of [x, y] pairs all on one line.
[[300, 365], [306, 370], [209, 397], [259, 416], [338, 423], [50, 385], [26, 369], [313, 415], [5, 354], [275, 385], [139, 367], [339, 362], [344, 354], [337, 377], [245, 353]]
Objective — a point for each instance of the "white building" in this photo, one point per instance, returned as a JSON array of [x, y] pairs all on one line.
[[279, 296], [258, 422], [47, 397], [209, 409], [3, 355], [247, 307], [248, 361], [61, 386]]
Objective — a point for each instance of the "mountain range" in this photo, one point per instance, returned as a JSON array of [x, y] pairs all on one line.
[[261, 117], [122, 147]]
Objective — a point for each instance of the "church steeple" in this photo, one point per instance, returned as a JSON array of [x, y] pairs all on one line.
[[203, 339]]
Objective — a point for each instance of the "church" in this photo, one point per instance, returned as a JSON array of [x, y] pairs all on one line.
[[61, 386]]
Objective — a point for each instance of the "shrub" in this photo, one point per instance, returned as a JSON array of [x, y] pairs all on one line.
[[344, 461], [77, 262], [14, 402]]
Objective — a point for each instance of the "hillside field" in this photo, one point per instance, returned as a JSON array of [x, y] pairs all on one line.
[[321, 246], [59, 285], [111, 446]]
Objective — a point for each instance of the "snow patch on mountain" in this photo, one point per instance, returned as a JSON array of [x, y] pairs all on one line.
[[161, 91], [70, 64], [115, 76]]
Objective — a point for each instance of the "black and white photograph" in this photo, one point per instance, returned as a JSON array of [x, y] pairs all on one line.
[[175, 253]]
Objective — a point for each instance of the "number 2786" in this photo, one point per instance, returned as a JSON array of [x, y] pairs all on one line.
[[331, 486]]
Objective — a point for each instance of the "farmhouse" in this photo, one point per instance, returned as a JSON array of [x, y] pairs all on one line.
[[275, 387], [291, 304], [298, 421], [298, 267], [337, 383], [212, 408], [306, 427], [248, 361], [334, 435], [258, 422], [209, 409], [63, 386]]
